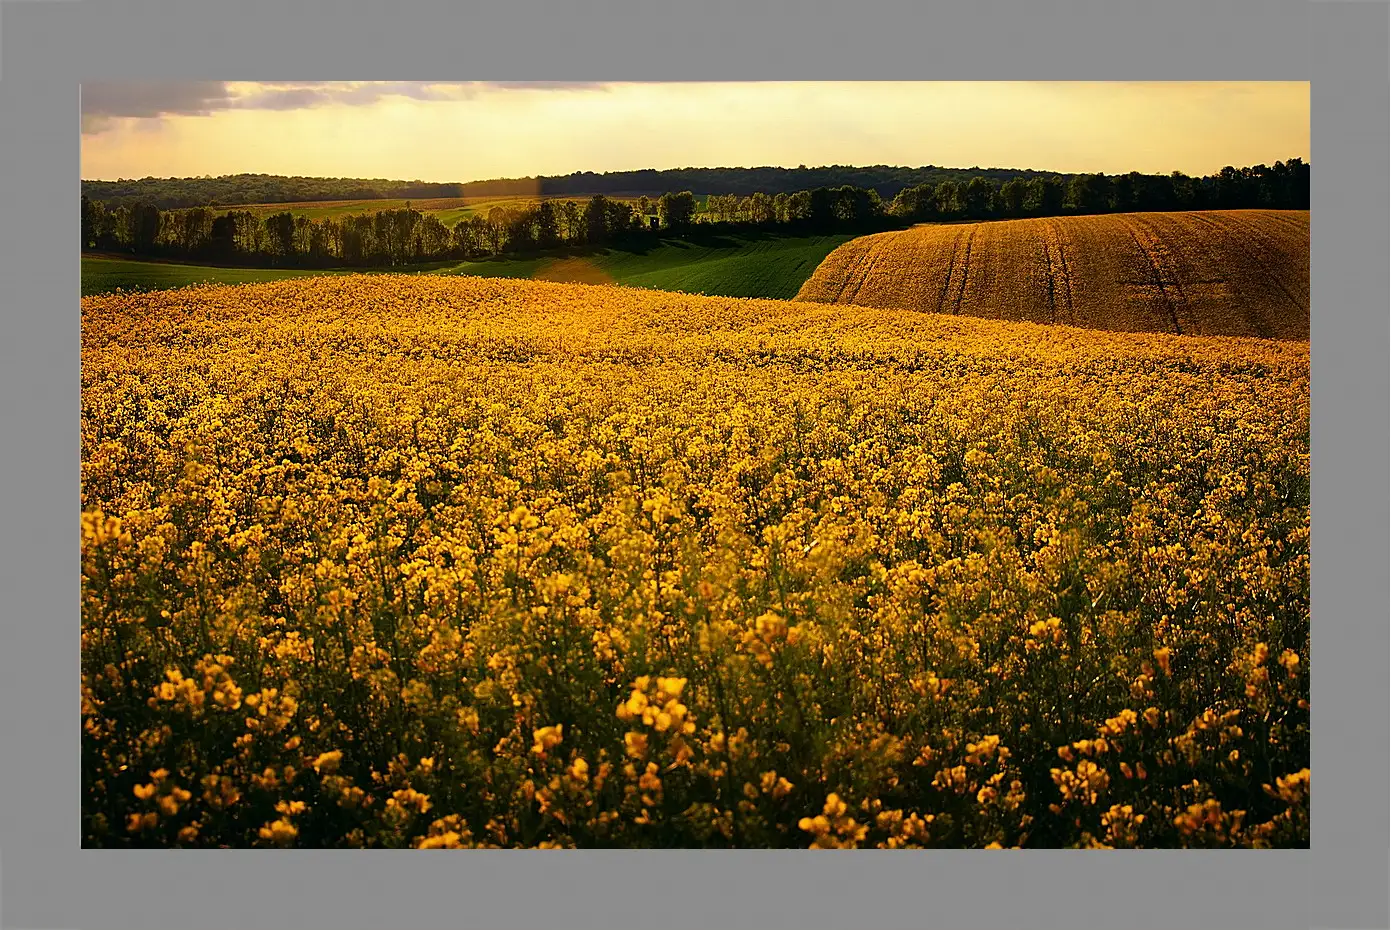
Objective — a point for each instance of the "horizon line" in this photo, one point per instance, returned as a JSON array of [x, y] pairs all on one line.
[[538, 177]]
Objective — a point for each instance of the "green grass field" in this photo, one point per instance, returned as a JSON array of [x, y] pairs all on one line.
[[104, 275], [727, 266]]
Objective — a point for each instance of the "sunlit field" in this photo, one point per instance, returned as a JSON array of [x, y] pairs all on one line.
[[1200, 272], [418, 561], [733, 265]]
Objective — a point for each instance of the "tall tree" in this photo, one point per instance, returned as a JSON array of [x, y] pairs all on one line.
[[497, 229], [620, 218], [145, 221], [1011, 197], [950, 204], [547, 225], [521, 229], [976, 198], [1228, 187], [781, 208], [1044, 197], [571, 222], [1089, 193], [461, 238], [821, 208], [918, 202], [280, 230], [799, 207], [596, 220], [195, 226], [761, 209], [222, 238], [676, 210], [1124, 192], [302, 242], [93, 215], [479, 240]]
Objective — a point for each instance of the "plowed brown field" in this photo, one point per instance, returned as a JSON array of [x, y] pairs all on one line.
[[1209, 273]]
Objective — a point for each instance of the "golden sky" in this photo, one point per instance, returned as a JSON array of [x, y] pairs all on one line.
[[480, 130]]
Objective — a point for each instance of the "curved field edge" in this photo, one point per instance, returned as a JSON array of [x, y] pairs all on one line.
[[731, 266], [1215, 273], [517, 563]]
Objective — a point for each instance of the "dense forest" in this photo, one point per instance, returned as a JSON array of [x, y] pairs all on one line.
[[232, 190], [406, 236]]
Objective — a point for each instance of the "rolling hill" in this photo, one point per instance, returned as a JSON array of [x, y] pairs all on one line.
[[1210, 273], [735, 265]]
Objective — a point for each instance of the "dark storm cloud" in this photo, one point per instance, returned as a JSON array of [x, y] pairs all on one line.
[[103, 102]]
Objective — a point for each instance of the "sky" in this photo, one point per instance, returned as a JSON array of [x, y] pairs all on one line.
[[478, 130]]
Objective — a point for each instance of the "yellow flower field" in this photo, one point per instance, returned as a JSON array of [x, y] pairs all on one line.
[[397, 561]]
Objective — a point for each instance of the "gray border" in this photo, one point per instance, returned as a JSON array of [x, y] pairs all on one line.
[[48, 48]]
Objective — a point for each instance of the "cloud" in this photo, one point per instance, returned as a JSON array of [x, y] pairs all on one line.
[[549, 85], [296, 95], [104, 102]]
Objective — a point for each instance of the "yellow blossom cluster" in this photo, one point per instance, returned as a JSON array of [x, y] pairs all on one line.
[[415, 562]]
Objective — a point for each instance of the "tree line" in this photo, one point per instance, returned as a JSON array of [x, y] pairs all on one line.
[[1285, 185], [234, 190], [407, 236], [382, 238]]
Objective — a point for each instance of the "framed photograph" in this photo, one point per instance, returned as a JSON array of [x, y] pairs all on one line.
[[836, 493]]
